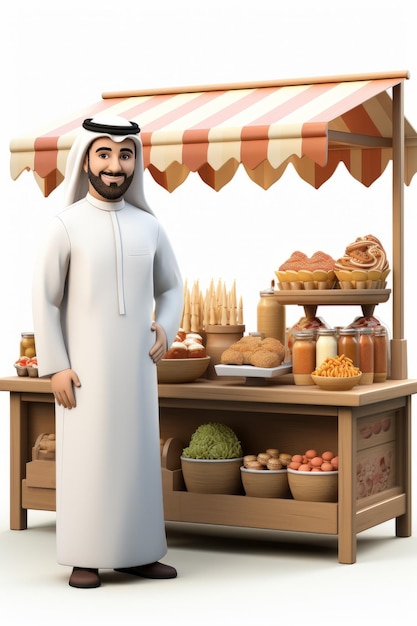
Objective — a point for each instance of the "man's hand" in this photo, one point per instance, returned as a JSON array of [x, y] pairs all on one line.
[[160, 346], [62, 387]]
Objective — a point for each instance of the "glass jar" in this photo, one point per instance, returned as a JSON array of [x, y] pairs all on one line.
[[271, 315], [303, 357], [366, 356], [27, 345], [348, 345], [326, 345], [380, 354]]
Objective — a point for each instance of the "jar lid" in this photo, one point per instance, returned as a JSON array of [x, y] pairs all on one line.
[[348, 331], [366, 331], [28, 334], [326, 331], [304, 334], [380, 330]]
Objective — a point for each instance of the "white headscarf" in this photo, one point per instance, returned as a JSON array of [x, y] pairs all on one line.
[[76, 179]]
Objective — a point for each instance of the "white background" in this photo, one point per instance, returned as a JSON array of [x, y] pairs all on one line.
[[58, 58]]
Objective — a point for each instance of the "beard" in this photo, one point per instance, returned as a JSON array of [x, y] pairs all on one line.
[[112, 191]]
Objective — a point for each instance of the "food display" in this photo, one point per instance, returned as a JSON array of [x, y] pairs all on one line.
[[26, 366], [364, 265], [313, 461], [271, 459], [337, 374], [253, 350], [303, 272], [217, 306], [213, 441], [339, 366], [186, 346]]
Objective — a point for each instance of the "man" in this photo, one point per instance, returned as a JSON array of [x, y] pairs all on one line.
[[107, 302]]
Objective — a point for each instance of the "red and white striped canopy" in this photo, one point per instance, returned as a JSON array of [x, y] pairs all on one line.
[[313, 124]]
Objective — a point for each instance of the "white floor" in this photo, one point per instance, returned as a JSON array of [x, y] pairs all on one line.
[[225, 576]]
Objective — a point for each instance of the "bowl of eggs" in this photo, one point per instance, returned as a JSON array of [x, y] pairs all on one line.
[[185, 360], [265, 475], [314, 477]]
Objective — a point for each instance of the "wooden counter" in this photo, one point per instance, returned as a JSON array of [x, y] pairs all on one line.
[[275, 414]]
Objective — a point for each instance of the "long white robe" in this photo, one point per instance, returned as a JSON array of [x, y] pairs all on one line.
[[102, 267]]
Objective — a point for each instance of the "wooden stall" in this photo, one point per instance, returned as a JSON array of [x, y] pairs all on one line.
[[312, 124]]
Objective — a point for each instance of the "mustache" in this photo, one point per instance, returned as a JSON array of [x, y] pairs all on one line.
[[113, 174]]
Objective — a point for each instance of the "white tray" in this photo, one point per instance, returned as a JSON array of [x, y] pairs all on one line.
[[250, 371]]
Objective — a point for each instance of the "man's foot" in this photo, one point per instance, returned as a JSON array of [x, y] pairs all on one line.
[[153, 570], [84, 578]]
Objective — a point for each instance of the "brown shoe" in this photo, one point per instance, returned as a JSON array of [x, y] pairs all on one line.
[[84, 578], [153, 570]]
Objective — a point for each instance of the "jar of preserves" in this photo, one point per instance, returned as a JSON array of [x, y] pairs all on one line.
[[303, 357], [271, 315], [348, 345], [326, 345], [27, 345], [366, 356], [380, 354]]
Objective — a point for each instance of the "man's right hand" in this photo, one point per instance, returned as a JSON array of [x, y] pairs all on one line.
[[63, 387]]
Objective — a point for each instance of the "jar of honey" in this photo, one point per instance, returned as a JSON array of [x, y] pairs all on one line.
[[271, 315], [380, 354], [348, 345], [303, 357], [366, 356]]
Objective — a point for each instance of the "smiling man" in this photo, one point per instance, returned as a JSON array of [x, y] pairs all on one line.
[[107, 301]]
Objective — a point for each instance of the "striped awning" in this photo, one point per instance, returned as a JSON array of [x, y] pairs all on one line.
[[313, 124]]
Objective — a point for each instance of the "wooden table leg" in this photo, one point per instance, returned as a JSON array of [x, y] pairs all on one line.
[[18, 451], [347, 486], [403, 526]]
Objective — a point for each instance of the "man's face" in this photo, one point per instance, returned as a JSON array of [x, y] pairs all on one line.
[[110, 167]]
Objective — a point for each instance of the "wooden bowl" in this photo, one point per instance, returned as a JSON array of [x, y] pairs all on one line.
[[313, 486], [212, 476], [336, 383], [265, 483], [181, 370]]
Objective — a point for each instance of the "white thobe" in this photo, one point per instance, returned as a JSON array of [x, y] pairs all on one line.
[[102, 270]]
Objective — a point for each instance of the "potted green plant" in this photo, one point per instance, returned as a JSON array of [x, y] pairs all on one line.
[[211, 462]]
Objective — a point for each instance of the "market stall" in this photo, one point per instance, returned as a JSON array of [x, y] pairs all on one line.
[[312, 125]]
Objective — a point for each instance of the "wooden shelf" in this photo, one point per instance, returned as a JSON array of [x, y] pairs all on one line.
[[332, 296], [367, 299]]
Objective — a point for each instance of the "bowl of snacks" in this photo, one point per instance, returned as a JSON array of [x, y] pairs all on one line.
[[212, 460], [264, 475], [313, 476], [185, 360], [336, 374]]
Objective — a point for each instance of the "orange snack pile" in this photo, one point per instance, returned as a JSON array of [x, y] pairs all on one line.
[[312, 461], [337, 367]]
